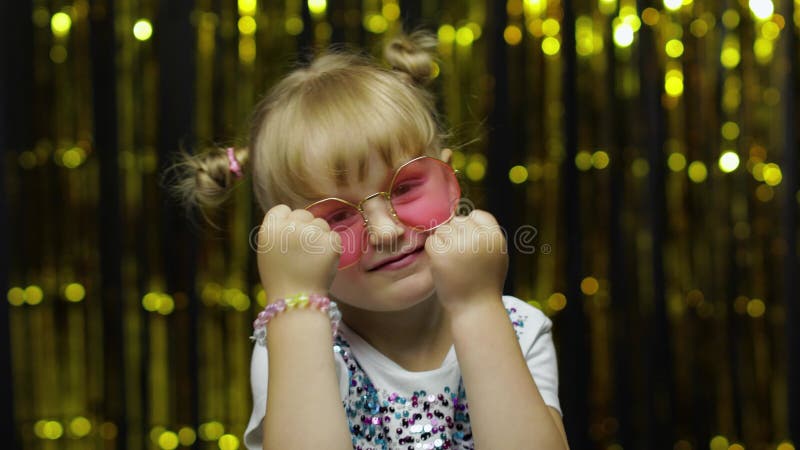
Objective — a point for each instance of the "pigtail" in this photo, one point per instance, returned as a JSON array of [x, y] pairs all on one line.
[[205, 180], [412, 55]]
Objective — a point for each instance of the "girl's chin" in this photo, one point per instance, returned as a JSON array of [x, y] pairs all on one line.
[[398, 295], [410, 298], [398, 304]]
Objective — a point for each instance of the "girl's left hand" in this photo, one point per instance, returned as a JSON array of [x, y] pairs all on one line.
[[469, 260]]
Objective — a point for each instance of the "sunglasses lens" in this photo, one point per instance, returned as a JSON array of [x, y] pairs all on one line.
[[347, 221], [425, 193]]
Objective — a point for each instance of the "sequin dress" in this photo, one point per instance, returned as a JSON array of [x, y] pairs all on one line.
[[390, 408]]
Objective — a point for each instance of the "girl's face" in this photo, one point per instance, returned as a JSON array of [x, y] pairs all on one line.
[[393, 272]]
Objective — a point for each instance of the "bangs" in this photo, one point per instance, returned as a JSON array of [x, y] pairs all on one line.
[[326, 125], [345, 121]]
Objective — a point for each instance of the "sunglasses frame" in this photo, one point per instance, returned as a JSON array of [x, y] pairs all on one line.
[[388, 196]]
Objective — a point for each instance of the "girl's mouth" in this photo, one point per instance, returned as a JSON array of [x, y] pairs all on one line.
[[399, 261]]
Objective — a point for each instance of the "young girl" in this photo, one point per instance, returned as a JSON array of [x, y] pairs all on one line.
[[348, 162]]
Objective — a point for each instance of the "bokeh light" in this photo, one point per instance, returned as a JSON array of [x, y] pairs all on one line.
[[74, 292], [557, 301], [168, 440], [761, 9], [600, 159], [376, 23], [583, 160], [770, 30], [673, 5], [80, 426], [623, 35], [697, 171], [756, 308], [673, 83], [228, 442], [142, 29], [551, 27], [650, 16], [764, 193], [674, 48], [590, 285], [187, 436], [535, 7], [317, 7], [518, 174], [247, 25], [465, 36], [391, 11], [730, 130], [730, 55], [698, 28], [772, 174], [676, 162], [294, 25], [512, 35], [247, 7], [728, 161], [730, 18], [718, 443], [33, 295], [550, 46], [60, 24], [763, 50], [475, 171], [52, 430], [447, 34], [16, 296], [211, 431], [109, 431]]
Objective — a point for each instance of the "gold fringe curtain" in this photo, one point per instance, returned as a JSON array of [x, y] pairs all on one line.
[[640, 155]]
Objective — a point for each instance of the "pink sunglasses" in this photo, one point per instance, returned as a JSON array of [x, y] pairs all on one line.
[[422, 195]]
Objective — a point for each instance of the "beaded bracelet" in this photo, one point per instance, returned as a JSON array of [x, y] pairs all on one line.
[[317, 301]]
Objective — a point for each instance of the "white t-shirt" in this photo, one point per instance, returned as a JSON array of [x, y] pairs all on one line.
[[388, 407]]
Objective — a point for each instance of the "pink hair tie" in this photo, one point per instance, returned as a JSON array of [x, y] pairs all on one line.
[[233, 163]]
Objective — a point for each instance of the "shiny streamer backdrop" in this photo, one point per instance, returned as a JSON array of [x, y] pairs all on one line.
[[641, 155]]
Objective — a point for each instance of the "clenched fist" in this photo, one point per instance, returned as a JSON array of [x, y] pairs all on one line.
[[296, 253], [469, 260]]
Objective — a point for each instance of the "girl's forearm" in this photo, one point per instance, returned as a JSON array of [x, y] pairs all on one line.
[[304, 408], [505, 407]]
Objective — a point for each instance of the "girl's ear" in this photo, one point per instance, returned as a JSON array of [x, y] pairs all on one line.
[[445, 155]]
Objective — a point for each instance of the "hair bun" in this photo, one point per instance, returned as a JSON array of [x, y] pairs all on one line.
[[412, 55], [205, 179]]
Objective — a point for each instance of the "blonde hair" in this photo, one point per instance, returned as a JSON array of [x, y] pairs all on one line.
[[329, 116]]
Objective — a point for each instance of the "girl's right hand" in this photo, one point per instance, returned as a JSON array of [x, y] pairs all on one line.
[[296, 253]]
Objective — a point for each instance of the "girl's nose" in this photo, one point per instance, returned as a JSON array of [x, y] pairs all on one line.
[[382, 227]]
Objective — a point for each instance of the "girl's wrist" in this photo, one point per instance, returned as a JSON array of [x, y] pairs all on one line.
[[283, 306], [465, 308]]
